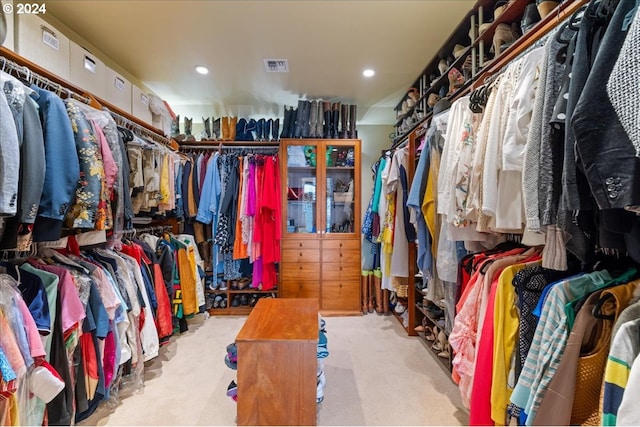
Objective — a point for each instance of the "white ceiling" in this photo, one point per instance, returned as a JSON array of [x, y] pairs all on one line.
[[328, 44]]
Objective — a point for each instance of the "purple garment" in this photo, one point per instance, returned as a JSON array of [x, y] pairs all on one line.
[[257, 272], [251, 190]]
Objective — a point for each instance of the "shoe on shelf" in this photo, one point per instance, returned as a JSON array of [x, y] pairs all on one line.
[[400, 308], [458, 50], [442, 67], [244, 300], [530, 17], [223, 285], [428, 333], [419, 328]]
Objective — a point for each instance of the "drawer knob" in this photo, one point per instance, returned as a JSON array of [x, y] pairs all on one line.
[[300, 253], [300, 244], [340, 244], [340, 268], [300, 267], [340, 254]]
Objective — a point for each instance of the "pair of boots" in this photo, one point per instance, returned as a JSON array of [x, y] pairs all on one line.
[[229, 128], [210, 133], [320, 119], [372, 294], [175, 129]]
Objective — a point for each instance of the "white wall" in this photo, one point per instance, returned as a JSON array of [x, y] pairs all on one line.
[[375, 138]]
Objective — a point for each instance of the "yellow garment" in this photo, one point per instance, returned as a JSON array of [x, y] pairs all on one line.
[[387, 233], [429, 201], [505, 338], [164, 184], [191, 207], [187, 281]]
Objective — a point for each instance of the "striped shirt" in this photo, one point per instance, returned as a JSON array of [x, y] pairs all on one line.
[[624, 350]]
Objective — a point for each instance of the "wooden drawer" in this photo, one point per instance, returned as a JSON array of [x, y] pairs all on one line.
[[300, 289], [330, 245], [299, 271], [341, 295], [300, 255], [344, 257], [300, 244], [332, 272]]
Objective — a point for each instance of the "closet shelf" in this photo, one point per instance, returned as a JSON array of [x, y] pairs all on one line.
[[520, 45], [35, 68]]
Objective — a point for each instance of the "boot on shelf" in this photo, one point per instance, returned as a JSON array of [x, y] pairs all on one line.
[[188, 125], [364, 290], [175, 129], [260, 129], [335, 117], [286, 124], [215, 130], [207, 127], [225, 129], [344, 111], [353, 114], [267, 129], [299, 119], [319, 110], [306, 128], [233, 122], [275, 128], [292, 123], [313, 119], [326, 114]]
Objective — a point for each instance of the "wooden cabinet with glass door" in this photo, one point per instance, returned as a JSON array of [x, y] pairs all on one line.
[[321, 222]]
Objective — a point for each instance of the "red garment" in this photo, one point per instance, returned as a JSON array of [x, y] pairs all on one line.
[[163, 313], [480, 410], [90, 365], [109, 358]]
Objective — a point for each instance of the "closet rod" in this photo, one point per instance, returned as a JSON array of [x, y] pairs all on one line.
[[23, 72], [135, 127], [228, 144]]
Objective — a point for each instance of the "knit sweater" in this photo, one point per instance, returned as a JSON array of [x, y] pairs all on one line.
[[551, 152]]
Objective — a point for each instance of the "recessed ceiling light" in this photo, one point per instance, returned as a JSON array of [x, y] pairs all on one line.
[[368, 72], [202, 70]]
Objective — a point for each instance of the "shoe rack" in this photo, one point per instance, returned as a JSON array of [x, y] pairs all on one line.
[[413, 109], [235, 298]]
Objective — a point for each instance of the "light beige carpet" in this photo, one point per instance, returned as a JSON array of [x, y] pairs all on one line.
[[376, 375]]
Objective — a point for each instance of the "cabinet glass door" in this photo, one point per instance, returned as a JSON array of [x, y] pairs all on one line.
[[340, 188], [302, 174]]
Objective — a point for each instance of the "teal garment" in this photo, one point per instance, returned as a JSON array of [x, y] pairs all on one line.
[[50, 282], [570, 307], [377, 190]]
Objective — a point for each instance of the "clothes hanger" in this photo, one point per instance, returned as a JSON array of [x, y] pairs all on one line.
[[597, 310]]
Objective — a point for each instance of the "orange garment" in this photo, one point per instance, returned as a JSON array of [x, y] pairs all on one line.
[[90, 365], [239, 248], [187, 283], [163, 313]]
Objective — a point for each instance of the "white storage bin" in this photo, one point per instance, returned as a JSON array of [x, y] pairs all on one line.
[[8, 41], [40, 42], [86, 71], [117, 90], [140, 104]]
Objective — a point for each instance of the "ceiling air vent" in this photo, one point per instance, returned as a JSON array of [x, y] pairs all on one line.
[[276, 65]]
